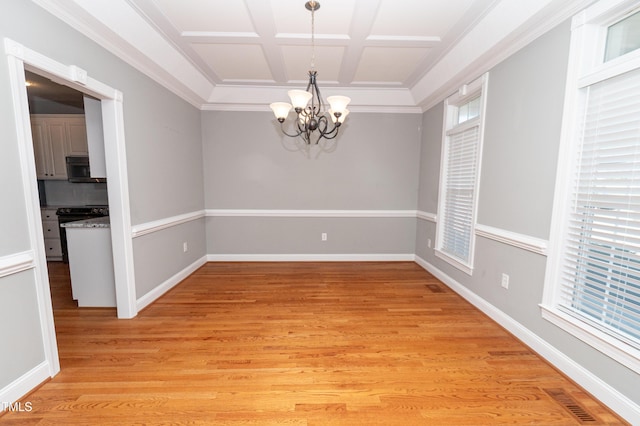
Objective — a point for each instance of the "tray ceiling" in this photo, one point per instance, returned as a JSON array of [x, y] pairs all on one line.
[[394, 55]]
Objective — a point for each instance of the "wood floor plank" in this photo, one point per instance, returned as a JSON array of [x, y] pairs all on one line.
[[375, 343]]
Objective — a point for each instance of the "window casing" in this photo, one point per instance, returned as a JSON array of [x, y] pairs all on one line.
[[592, 286], [459, 174]]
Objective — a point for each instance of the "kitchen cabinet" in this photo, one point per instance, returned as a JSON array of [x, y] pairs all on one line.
[[95, 137], [51, 228], [91, 262], [55, 136], [76, 131]]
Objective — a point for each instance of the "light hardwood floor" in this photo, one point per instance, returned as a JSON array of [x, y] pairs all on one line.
[[380, 343]]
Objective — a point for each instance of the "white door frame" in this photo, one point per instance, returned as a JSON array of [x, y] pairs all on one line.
[[20, 58]]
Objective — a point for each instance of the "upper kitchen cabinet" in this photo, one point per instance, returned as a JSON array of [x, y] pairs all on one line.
[[76, 130], [95, 136], [55, 136]]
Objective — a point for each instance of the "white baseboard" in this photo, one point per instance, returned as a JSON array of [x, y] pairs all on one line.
[[311, 257], [618, 402], [154, 294], [25, 383]]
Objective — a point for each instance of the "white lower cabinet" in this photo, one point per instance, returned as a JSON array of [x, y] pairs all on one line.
[[51, 229], [91, 266]]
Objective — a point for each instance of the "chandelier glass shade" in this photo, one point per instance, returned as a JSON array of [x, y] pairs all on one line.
[[313, 121]]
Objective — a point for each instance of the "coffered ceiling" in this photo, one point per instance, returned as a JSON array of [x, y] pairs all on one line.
[[387, 55]]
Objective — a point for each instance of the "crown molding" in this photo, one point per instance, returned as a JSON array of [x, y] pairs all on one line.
[[506, 28], [490, 42], [167, 67], [363, 99]]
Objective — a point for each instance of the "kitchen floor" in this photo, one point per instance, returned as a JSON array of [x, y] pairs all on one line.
[[60, 281]]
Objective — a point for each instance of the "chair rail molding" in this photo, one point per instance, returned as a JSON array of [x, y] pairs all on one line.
[[17, 262], [525, 242], [160, 224], [308, 213]]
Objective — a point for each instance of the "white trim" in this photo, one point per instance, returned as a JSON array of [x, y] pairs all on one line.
[[15, 54], [309, 213], [466, 92], [15, 263], [625, 354], [467, 269], [168, 67], [359, 109], [525, 242], [471, 59], [431, 217], [586, 58], [618, 402], [158, 291], [119, 207], [115, 153], [18, 58], [408, 257], [486, 43], [159, 225], [25, 383]]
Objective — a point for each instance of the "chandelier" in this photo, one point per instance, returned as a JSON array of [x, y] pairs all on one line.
[[312, 121]]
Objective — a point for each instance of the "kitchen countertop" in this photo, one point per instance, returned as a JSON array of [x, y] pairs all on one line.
[[96, 222]]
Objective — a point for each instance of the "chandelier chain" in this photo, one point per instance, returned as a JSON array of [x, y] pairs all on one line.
[[313, 39]]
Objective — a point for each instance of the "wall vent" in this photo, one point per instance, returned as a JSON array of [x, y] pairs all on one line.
[[571, 405]]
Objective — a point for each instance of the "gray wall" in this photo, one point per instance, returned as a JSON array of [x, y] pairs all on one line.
[[248, 166], [163, 253], [523, 122], [164, 152], [22, 346]]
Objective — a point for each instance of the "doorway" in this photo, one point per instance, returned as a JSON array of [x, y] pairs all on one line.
[[21, 59]]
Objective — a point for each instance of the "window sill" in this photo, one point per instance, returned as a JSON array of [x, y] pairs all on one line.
[[623, 353], [458, 264]]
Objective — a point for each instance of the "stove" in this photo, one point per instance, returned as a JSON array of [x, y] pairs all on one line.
[[73, 214], [83, 211]]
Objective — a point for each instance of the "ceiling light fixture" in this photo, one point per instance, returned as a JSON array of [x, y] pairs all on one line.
[[312, 122]]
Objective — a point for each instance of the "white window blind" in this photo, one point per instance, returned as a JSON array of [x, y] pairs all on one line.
[[600, 269], [460, 183]]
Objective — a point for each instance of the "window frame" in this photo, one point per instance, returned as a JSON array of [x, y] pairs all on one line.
[[451, 126], [587, 66]]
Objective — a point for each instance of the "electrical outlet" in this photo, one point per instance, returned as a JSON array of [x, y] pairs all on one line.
[[324, 236], [185, 247], [505, 281], [429, 242]]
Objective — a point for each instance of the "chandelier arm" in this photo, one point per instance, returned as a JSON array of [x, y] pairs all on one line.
[[287, 134], [332, 134], [334, 129], [323, 124]]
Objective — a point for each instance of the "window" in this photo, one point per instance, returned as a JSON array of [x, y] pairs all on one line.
[[460, 166], [592, 285], [623, 37]]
